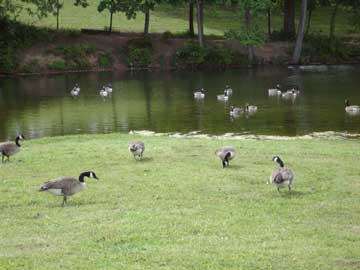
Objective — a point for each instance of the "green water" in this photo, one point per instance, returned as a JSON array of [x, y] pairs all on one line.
[[41, 106]]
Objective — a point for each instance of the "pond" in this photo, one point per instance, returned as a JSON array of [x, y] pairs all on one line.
[[41, 106]]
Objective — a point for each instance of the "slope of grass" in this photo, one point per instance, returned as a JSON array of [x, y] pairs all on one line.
[[178, 209], [168, 18]]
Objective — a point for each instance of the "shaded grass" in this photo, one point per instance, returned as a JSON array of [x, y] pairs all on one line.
[[217, 19], [178, 209]]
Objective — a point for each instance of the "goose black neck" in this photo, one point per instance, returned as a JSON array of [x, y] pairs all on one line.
[[82, 175], [17, 141], [347, 103], [281, 163]]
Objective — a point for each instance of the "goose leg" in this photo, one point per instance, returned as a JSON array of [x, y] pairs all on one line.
[[64, 201], [289, 188], [224, 164], [2, 159], [278, 189]]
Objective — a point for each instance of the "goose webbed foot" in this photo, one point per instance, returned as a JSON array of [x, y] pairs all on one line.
[[64, 201]]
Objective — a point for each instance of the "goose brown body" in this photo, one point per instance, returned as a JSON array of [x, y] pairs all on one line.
[[225, 154], [281, 176], [8, 149], [137, 148]]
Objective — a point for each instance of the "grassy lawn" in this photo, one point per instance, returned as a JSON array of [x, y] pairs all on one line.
[[178, 209], [166, 17]]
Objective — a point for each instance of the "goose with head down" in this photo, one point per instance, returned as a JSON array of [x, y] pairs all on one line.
[[225, 154]]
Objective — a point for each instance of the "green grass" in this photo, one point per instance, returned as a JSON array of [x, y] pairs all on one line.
[[167, 18], [178, 209]]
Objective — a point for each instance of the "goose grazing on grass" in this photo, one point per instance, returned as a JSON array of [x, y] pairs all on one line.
[[225, 154], [275, 91], [250, 108], [75, 91], [103, 92], [351, 108], [108, 88], [223, 97], [234, 111], [137, 148], [67, 186], [281, 176], [8, 149], [228, 90], [200, 94]]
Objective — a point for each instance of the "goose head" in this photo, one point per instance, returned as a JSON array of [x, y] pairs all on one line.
[[278, 160]]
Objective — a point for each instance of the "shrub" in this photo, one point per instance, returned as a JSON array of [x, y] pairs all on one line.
[[139, 43], [57, 65], [32, 66], [191, 54], [76, 56], [139, 57], [219, 56], [105, 60]]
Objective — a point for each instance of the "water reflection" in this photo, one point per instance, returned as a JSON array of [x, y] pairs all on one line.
[[163, 102]]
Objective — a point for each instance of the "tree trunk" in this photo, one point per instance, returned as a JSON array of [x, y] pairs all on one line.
[[57, 14], [111, 21], [332, 21], [248, 24], [300, 34], [269, 21], [147, 22], [289, 18], [308, 22], [200, 21], [191, 19]]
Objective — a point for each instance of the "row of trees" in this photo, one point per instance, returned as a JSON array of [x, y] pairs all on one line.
[[249, 33]]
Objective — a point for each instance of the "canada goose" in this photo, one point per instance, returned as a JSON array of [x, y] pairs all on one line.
[[103, 92], [250, 108], [228, 90], [223, 97], [275, 91], [8, 149], [200, 94], [289, 94], [281, 176], [234, 111], [137, 148], [351, 108], [225, 153], [67, 186], [109, 88], [295, 90], [75, 91]]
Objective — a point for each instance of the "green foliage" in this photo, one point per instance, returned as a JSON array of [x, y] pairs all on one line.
[[193, 55], [320, 48], [138, 52], [105, 60], [57, 65], [33, 66], [252, 37], [76, 56]]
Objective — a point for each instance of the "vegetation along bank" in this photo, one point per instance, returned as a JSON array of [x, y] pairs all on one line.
[[49, 36]]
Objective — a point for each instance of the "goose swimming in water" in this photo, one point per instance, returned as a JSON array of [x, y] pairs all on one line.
[[223, 97], [228, 90], [75, 91], [275, 91], [200, 94], [250, 108], [103, 92], [351, 108], [234, 111], [108, 88]]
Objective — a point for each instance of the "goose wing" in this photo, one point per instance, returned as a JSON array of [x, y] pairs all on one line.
[[9, 148], [65, 184], [223, 152], [281, 175]]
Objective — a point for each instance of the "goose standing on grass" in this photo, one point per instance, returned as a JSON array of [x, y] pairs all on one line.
[[250, 108], [223, 97], [275, 91], [75, 91], [137, 148], [281, 176], [103, 93], [8, 149], [351, 108], [228, 90], [67, 186], [234, 111], [109, 88], [225, 154], [200, 94]]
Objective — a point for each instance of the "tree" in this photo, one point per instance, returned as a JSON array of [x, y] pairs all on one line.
[[112, 6], [191, 18], [289, 18], [310, 7], [200, 21], [300, 33]]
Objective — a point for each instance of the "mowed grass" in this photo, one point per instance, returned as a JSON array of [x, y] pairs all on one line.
[[217, 19], [178, 208]]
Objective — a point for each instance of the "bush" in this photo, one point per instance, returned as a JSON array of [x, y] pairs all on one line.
[[139, 57], [105, 60], [191, 54], [76, 56], [57, 65], [219, 56], [32, 66], [319, 48]]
